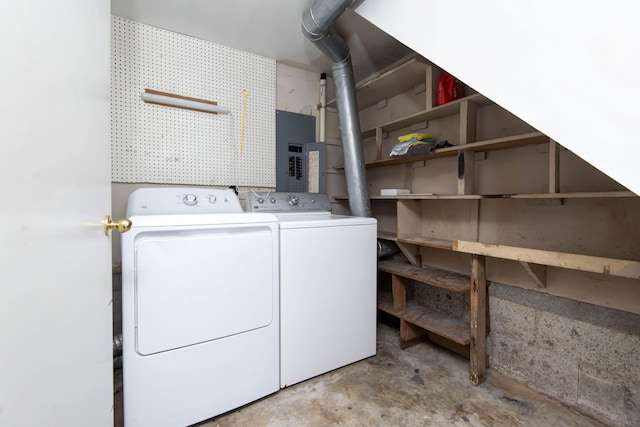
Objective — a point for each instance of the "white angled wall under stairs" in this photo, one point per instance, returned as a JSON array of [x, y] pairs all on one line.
[[568, 69]]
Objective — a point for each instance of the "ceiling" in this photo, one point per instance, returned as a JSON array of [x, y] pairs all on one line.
[[267, 28]]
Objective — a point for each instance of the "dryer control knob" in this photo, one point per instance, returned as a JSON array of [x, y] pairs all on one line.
[[260, 200], [212, 199], [273, 200], [190, 200], [293, 200]]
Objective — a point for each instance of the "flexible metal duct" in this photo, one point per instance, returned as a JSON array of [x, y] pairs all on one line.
[[387, 248], [316, 26]]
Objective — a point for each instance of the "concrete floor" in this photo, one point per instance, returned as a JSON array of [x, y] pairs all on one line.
[[424, 385]]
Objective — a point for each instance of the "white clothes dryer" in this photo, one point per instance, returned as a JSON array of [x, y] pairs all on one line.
[[200, 306], [328, 266]]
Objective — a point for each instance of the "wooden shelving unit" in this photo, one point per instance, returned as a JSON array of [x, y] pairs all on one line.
[[410, 227], [416, 319], [416, 315]]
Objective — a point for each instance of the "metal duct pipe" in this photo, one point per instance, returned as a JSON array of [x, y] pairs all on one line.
[[316, 26]]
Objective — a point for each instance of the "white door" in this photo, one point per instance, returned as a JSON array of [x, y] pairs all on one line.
[[55, 266]]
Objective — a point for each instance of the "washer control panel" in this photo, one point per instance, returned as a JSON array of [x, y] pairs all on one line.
[[288, 202], [176, 200]]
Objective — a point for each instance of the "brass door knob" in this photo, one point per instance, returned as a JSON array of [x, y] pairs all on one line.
[[122, 225]]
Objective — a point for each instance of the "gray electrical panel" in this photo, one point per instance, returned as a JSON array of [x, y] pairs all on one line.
[[300, 162]]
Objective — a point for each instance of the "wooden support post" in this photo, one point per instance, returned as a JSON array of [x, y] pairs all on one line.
[[399, 292], [468, 120], [554, 167], [478, 350], [419, 260], [378, 143], [431, 92], [410, 335]]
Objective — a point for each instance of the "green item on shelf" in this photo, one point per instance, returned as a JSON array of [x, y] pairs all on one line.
[[401, 148]]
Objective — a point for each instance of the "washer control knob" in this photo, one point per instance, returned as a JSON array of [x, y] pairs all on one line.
[[260, 200], [212, 198], [273, 200], [293, 200], [190, 200], [313, 200]]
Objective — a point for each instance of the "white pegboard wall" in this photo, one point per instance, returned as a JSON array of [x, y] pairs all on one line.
[[165, 145]]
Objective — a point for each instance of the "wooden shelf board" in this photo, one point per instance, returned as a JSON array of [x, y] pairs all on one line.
[[503, 143], [577, 195], [385, 303], [390, 83], [427, 241], [383, 197], [456, 330], [403, 160], [419, 196], [593, 264], [580, 195], [443, 279], [387, 235], [441, 324], [450, 109], [531, 138]]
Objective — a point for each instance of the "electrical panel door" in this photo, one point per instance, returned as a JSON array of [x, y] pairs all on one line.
[[300, 162]]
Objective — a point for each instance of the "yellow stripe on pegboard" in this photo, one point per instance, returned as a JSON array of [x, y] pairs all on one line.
[[245, 94]]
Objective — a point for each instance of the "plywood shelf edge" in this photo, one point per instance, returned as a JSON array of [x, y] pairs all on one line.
[[387, 235], [514, 141], [430, 320], [441, 324], [589, 263], [577, 195], [432, 276], [427, 242]]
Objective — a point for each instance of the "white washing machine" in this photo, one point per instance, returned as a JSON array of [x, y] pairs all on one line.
[[327, 284], [200, 306]]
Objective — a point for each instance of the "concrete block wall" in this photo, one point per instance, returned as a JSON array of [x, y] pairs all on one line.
[[453, 304], [584, 355]]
